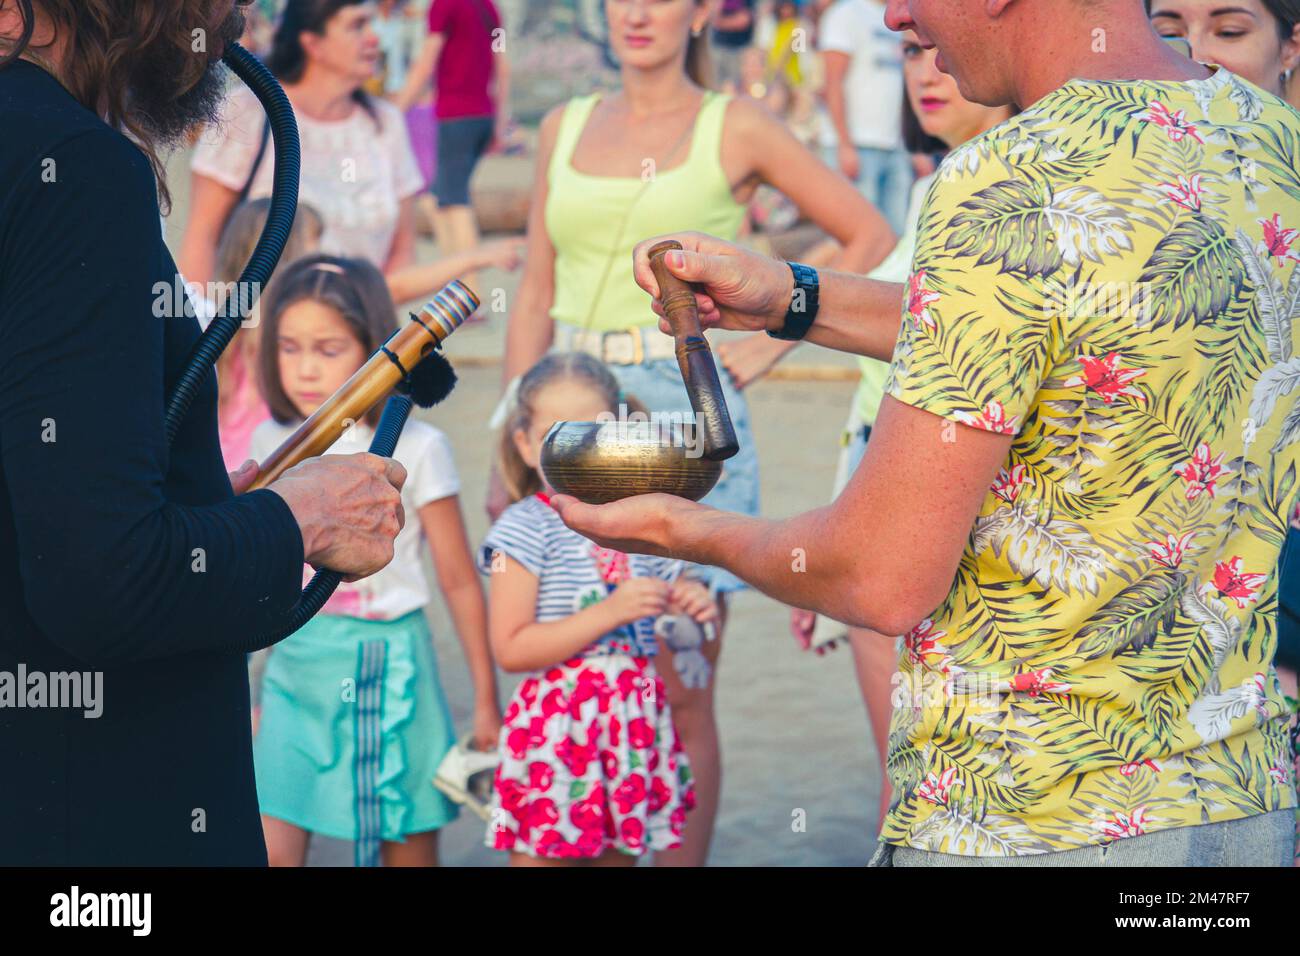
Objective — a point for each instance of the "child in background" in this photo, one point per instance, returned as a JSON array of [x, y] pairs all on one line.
[[591, 767], [240, 407], [354, 722], [789, 40]]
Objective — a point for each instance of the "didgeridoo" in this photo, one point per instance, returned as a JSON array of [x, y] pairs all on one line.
[[372, 383]]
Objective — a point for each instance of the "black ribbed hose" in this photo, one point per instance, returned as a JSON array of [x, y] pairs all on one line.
[[279, 222], [275, 234]]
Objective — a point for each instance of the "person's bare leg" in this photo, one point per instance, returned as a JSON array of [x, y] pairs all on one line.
[[613, 858], [697, 726], [286, 844], [418, 849], [426, 208], [523, 859], [457, 231], [875, 661], [441, 226]]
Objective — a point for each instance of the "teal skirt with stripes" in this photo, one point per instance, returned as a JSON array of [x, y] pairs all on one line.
[[354, 724]]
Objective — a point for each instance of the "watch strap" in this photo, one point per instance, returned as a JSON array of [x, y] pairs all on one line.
[[802, 312]]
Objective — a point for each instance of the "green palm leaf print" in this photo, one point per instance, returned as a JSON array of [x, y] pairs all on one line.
[[1008, 222], [1131, 621], [1193, 273]]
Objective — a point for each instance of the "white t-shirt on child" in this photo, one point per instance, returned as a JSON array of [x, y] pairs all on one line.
[[401, 586]]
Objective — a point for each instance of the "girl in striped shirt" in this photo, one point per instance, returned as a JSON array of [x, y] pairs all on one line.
[[591, 769]]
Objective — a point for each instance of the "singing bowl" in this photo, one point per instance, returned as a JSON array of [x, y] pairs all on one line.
[[599, 462]]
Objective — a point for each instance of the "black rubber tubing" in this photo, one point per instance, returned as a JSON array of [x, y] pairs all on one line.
[[279, 222], [219, 333]]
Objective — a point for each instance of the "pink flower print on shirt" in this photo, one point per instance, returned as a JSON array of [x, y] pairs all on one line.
[[1174, 124], [1278, 239], [1170, 553], [919, 299], [1280, 773], [1107, 377], [993, 419], [1008, 483], [1035, 683], [1232, 582], [1128, 769], [1123, 825], [1187, 193], [923, 641], [1260, 697], [1200, 472], [935, 788]]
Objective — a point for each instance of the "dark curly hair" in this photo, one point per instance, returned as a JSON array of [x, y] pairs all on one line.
[[144, 66]]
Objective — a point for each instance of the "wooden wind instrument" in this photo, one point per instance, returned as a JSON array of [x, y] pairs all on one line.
[[373, 382]]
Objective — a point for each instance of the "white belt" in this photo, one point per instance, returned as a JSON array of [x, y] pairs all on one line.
[[620, 347]]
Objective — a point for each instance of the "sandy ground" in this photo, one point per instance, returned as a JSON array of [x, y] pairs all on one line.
[[794, 731]]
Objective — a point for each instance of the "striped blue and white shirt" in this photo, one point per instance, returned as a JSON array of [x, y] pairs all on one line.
[[568, 574]]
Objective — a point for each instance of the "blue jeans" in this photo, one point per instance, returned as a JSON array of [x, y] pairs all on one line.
[[885, 178], [658, 384]]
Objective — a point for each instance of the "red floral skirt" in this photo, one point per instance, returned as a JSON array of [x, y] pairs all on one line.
[[590, 762]]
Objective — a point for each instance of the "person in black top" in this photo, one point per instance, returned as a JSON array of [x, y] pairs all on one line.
[[122, 559]]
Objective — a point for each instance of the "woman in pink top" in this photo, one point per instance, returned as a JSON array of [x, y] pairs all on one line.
[[358, 169]]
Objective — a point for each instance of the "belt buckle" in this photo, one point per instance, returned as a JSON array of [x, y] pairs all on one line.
[[638, 347]]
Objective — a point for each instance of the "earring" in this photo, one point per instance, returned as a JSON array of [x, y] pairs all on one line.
[[697, 32]]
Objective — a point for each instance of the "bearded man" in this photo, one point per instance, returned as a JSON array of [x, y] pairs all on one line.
[[127, 565]]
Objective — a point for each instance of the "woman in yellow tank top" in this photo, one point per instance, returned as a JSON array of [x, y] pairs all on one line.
[[662, 153]]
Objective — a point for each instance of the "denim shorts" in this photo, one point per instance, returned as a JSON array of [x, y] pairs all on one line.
[[1266, 839], [657, 383], [885, 178], [461, 143]]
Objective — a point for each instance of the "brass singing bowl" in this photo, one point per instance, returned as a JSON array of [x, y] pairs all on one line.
[[599, 462]]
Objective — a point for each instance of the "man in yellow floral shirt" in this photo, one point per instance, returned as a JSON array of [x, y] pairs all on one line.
[[1078, 487]]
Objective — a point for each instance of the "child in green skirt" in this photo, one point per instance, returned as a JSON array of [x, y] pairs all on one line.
[[354, 721]]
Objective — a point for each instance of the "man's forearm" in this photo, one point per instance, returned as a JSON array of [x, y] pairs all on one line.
[[796, 561], [856, 314]]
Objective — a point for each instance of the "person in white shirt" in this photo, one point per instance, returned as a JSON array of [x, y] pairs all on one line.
[[864, 102]]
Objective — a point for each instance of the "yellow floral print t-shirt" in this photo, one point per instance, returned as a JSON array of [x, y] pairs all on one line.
[[1111, 277]]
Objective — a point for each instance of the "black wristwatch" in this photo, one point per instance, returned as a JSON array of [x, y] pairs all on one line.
[[803, 304]]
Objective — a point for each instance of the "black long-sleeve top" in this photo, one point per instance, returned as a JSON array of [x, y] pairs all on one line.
[[118, 554]]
